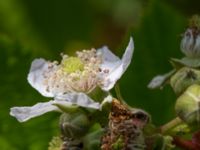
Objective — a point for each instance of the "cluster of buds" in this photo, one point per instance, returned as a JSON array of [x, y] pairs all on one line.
[[186, 80], [185, 77]]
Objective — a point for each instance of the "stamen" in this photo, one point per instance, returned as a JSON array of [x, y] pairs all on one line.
[[76, 74]]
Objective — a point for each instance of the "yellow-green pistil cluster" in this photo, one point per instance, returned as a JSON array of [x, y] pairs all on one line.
[[72, 64], [75, 74]]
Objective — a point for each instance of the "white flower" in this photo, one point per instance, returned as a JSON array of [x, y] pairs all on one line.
[[70, 82]]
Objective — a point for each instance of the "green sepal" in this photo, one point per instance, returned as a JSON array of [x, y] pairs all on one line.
[[98, 94], [92, 140], [101, 116], [185, 61], [160, 142], [188, 106], [75, 125], [183, 78], [67, 108], [160, 80]]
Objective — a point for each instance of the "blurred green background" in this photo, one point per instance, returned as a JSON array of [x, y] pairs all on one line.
[[35, 28]]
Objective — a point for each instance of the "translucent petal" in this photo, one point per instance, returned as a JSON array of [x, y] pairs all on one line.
[[107, 55], [118, 67], [25, 113], [79, 99], [109, 60], [159, 80], [36, 76]]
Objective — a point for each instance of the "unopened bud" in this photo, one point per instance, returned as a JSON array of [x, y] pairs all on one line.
[[190, 44], [183, 78], [188, 105], [74, 125]]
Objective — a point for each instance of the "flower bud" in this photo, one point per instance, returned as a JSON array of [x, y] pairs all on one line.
[[183, 78], [74, 125], [190, 44], [93, 139], [188, 105]]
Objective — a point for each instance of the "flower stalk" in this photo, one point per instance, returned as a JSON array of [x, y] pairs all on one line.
[[170, 125]]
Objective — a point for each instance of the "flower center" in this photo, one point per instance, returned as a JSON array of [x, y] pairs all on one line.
[[72, 64], [76, 74]]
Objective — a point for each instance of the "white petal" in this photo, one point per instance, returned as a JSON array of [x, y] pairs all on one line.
[[159, 80], [156, 82], [107, 55], [118, 67], [79, 99], [36, 76], [126, 59], [109, 60], [25, 113]]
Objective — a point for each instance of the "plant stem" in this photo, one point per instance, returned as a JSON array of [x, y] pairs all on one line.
[[184, 144], [173, 123], [118, 92], [119, 95]]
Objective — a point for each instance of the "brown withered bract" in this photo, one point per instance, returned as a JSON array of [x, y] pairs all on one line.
[[125, 128]]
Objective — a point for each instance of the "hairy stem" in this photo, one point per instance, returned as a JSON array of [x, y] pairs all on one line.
[[118, 92], [119, 95], [173, 123]]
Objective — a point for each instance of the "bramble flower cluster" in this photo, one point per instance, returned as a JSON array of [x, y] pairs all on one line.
[[91, 118]]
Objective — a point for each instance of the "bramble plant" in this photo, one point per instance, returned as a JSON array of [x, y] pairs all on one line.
[[92, 118], [184, 80]]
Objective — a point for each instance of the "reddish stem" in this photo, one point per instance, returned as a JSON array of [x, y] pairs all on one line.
[[184, 144]]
